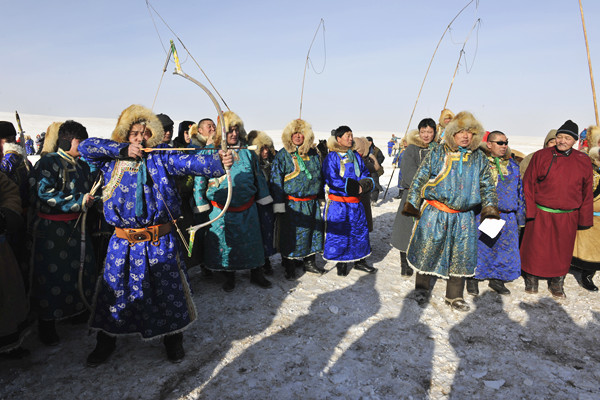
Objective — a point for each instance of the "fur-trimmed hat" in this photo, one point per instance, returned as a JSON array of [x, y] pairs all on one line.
[[261, 139], [464, 120], [231, 119], [593, 136], [361, 145], [51, 138], [7, 130], [298, 126], [136, 114], [443, 115]]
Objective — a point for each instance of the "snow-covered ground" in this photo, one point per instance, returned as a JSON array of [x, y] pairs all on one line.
[[326, 337]]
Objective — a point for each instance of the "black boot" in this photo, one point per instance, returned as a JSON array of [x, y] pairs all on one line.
[[343, 268], [267, 268], [105, 345], [422, 284], [587, 282], [310, 265], [531, 283], [556, 287], [473, 286], [47, 332], [257, 277], [362, 265], [455, 287], [174, 346], [290, 268], [405, 269], [229, 284], [498, 286]]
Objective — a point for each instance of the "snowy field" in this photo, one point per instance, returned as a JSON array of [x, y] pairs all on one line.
[[329, 337]]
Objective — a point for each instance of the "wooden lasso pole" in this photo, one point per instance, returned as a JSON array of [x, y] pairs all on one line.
[[587, 47]]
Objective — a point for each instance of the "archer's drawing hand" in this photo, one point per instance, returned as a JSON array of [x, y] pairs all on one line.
[[135, 151], [226, 158]]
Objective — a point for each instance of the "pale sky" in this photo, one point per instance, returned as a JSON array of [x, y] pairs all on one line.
[[528, 69]]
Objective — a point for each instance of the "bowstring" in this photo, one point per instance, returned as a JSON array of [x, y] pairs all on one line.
[[152, 9]]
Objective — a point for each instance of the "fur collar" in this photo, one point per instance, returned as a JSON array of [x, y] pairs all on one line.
[[51, 138], [14, 148], [196, 138], [412, 137], [300, 126], [333, 145]]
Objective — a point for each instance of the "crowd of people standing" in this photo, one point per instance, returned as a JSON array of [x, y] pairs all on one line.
[[95, 231]]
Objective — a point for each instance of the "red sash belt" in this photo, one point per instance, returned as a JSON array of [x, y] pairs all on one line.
[[308, 198], [344, 199], [243, 207], [59, 217], [441, 206]]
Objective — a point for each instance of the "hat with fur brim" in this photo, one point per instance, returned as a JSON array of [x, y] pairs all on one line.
[[298, 126], [464, 120], [136, 114]]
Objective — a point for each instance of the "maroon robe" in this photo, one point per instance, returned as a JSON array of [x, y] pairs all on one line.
[[549, 238]]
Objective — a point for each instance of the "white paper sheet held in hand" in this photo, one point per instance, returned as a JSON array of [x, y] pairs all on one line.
[[491, 227]]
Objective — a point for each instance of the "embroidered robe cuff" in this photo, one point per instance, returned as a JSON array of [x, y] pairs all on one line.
[[265, 200], [202, 208], [278, 208]]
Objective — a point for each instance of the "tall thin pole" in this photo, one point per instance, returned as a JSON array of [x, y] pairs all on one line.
[[430, 62], [587, 47]]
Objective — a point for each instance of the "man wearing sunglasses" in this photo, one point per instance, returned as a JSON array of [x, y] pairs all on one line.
[[498, 259]]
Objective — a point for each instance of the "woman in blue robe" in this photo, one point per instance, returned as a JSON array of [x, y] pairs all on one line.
[[143, 288], [346, 231], [296, 184]]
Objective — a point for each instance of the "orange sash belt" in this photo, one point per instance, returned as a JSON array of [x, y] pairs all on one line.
[[59, 217], [302, 198], [344, 199], [441, 206], [243, 207]]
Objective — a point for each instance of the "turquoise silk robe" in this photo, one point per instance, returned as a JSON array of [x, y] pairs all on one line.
[[234, 241], [442, 243]]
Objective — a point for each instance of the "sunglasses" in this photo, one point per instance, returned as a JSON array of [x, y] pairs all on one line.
[[500, 143]]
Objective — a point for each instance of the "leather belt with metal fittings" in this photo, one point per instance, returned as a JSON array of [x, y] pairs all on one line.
[[148, 234]]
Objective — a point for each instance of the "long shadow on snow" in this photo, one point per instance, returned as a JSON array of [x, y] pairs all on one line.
[[304, 349], [549, 357]]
